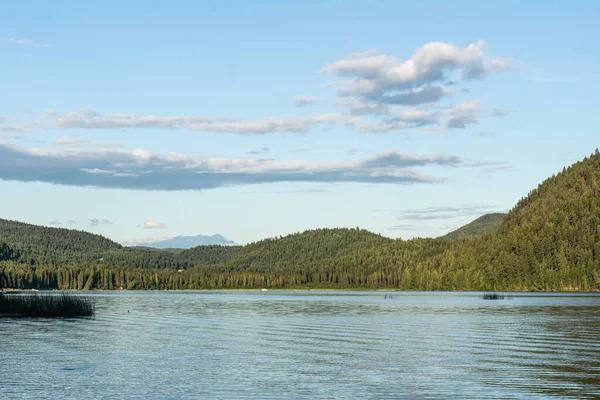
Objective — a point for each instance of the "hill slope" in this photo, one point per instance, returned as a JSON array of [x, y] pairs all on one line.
[[40, 245], [325, 258], [312, 246], [549, 240], [53, 244], [485, 224]]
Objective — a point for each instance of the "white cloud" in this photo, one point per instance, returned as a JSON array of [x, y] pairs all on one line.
[[454, 117], [11, 128], [403, 227], [423, 95], [86, 143], [499, 112], [470, 112], [97, 171], [374, 72], [359, 106], [262, 150], [97, 221], [378, 84], [69, 142], [144, 170], [21, 41], [445, 213], [55, 223], [395, 118], [303, 101], [463, 114], [90, 119], [154, 225], [11, 136]]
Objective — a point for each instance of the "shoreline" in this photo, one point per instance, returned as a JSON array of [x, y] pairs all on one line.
[[555, 293]]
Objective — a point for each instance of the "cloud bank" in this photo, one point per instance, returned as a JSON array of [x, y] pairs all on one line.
[[378, 84], [384, 78], [87, 118], [144, 170]]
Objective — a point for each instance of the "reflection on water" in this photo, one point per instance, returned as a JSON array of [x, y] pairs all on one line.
[[329, 345]]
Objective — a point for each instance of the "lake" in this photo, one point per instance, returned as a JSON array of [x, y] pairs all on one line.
[[307, 345]]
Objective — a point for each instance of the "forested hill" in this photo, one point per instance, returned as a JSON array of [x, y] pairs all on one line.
[[43, 243], [485, 224], [312, 246], [40, 245], [45, 238], [549, 241]]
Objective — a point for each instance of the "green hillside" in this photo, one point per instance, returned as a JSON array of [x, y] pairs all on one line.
[[41, 244], [309, 247], [326, 258], [7, 253], [208, 254], [549, 241], [485, 224]]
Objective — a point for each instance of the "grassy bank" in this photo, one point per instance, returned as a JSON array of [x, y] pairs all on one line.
[[46, 305]]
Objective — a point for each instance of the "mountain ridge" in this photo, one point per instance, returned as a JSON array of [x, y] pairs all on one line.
[[186, 242]]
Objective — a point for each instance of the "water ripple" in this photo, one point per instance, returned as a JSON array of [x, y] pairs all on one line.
[[306, 345]]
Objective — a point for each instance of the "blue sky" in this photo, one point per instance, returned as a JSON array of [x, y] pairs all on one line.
[[258, 119]]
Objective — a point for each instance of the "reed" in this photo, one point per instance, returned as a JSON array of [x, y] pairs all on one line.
[[46, 305], [493, 296]]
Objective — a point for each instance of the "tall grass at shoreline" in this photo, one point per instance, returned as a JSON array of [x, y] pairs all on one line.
[[493, 296], [46, 305]]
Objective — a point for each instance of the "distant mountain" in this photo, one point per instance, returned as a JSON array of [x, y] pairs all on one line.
[[187, 242], [167, 249], [485, 224]]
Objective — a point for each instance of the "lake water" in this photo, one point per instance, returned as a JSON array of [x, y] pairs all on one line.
[[307, 345]]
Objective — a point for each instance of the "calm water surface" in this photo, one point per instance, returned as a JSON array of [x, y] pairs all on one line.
[[307, 345]]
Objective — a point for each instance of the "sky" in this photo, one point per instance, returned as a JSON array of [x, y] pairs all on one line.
[[151, 119]]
